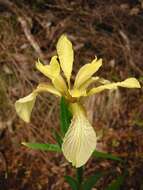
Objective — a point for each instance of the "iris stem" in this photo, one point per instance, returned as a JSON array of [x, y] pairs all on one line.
[[79, 176]]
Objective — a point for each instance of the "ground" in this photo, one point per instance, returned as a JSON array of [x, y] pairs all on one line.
[[111, 30]]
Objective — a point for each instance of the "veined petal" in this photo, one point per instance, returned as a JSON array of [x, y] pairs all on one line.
[[128, 83], [66, 55], [86, 72], [51, 70], [80, 140], [25, 105], [43, 87]]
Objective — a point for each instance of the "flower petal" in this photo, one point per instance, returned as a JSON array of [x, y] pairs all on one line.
[[25, 105], [82, 91], [128, 83], [76, 93], [87, 83], [86, 72], [60, 84], [51, 70], [43, 87], [66, 55], [79, 141]]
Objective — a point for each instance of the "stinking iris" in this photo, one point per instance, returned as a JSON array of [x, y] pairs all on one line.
[[80, 140]]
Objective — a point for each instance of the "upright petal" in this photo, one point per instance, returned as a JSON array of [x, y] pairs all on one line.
[[60, 84], [51, 70], [86, 72], [128, 83], [25, 105], [66, 56], [80, 139]]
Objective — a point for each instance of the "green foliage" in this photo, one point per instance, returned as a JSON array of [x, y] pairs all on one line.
[[116, 184], [72, 182], [79, 175], [91, 181], [138, 122], [103, 155], [65, 116], [58, 138], [43, 147]]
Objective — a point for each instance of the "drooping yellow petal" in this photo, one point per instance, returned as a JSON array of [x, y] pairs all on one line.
[[128, 83], [66, 55], [86, 72], [82, 91], [80, 139], [43, 87], [25, 105], [52, 70]]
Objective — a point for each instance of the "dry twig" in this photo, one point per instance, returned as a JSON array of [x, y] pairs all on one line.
[[129, 53], [24, 24], [30, 37]]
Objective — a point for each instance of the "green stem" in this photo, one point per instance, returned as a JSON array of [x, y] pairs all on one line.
[[79, 176]]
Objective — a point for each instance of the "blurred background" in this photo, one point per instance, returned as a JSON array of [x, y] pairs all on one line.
[[112, 30]]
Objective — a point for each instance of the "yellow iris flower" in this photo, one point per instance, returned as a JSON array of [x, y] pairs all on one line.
[[80, 140]]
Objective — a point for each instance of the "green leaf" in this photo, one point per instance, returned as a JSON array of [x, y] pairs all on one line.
[[43, 147], [116, 184], [65, 116], [72, 182], [79, 174], [109, 156], [58, 138], [91, 181]]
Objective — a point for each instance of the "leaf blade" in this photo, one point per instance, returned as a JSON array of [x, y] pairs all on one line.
[[43, 146], [58, 138], [91, 181], [65, 116], [109, 156], [72, 182], [116, 184]]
